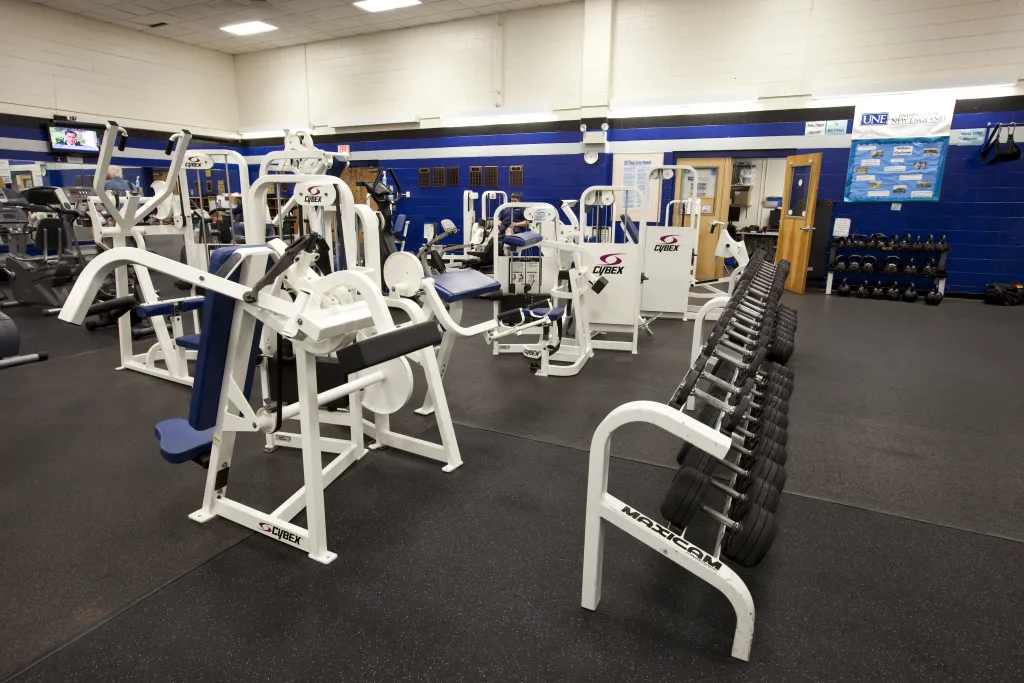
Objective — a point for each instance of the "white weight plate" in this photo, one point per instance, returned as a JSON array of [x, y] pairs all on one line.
[[389, 396]]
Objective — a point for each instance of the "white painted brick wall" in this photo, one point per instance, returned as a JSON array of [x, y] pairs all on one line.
[[427, 71], [272, 89], [52, 62], [693, 50]]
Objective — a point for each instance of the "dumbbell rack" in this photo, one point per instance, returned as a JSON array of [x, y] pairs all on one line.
[[603, 507], [939, 278]]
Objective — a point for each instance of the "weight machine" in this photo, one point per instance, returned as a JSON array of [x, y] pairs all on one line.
[[173, 349], [617, 310], [669, 251], [342, 314], [730, 245]]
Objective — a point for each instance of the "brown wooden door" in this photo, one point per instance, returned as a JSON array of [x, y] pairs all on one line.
[[714, 207], [799, 196], [351, 176]]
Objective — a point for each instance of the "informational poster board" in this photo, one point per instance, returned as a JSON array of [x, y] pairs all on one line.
[[632, 170], [5, 172], [898, 152], [707, 182]]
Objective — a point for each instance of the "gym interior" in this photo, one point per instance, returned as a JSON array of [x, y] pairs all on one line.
[[532, 340]]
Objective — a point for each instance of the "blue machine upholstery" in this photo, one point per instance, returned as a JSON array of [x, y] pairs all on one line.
[[538, 313], [398, 225], [180, 443], [188, 341], [182, 440], [630, 228], [457, 285], [523, 239], [168, 307]]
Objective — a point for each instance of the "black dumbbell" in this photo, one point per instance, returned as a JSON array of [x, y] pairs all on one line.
[[747, 538], [747, 470]]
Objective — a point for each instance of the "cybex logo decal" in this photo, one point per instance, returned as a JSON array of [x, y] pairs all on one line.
[[193, 162], [278, 532], [678, 541], [880, 119], [312, 196], [611, 265], [668, 243]]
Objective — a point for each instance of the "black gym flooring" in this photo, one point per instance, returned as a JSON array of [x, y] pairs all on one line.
[[898, 555]]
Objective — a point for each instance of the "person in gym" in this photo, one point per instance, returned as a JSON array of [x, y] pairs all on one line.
[[512, 218], [116, 181]]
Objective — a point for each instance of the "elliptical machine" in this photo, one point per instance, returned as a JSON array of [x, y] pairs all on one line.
[[44, 278], [386, 199]]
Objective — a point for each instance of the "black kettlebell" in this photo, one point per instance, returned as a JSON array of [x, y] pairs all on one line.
[[894, 243], [878, 291], [843, 289], [910, 268], [893, 292], [858, 240], [892, 264], [905, 242], [867, 266], [853, 266], [839, 265], [878, 240], [917, 243], [934, 297], [930, 244], [863, 292], [839, 242], [929, 268], [910, 294], [943, 245]]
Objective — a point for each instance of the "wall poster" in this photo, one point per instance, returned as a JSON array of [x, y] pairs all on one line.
[[898, 151]]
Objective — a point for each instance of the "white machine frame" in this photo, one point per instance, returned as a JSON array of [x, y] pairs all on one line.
[[558, 250], [324, 315], [669, 251], [128, 224], [617, 310]]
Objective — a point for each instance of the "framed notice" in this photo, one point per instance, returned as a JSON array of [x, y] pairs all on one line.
[[632, 170]]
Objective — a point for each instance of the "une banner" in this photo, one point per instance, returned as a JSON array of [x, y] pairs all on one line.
[[898, 151]]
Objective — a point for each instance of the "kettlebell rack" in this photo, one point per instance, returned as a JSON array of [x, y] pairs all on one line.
[[843, 249]]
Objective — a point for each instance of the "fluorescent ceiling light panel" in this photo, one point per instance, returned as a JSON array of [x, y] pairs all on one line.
[[248, 28], [384, 5], [682, 109], [463, 121]]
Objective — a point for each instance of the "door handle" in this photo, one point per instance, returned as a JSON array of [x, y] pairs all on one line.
[[805, 228]]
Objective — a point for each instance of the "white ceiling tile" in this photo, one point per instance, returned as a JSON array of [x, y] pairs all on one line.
[[154, 5], [298, 21], [519, 4]]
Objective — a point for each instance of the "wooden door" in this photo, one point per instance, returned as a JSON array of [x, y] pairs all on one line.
[[353, 175], [799, 196], [714, 207]]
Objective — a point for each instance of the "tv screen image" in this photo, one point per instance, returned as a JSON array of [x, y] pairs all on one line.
[[70, 139]]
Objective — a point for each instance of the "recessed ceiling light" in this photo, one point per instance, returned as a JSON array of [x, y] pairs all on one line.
[[384, 5], [248, 28]]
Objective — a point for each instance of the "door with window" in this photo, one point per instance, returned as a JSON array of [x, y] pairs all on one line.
[[799, 196], [713, 189]]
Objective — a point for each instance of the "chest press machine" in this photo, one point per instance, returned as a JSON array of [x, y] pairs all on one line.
[[342, 314]]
